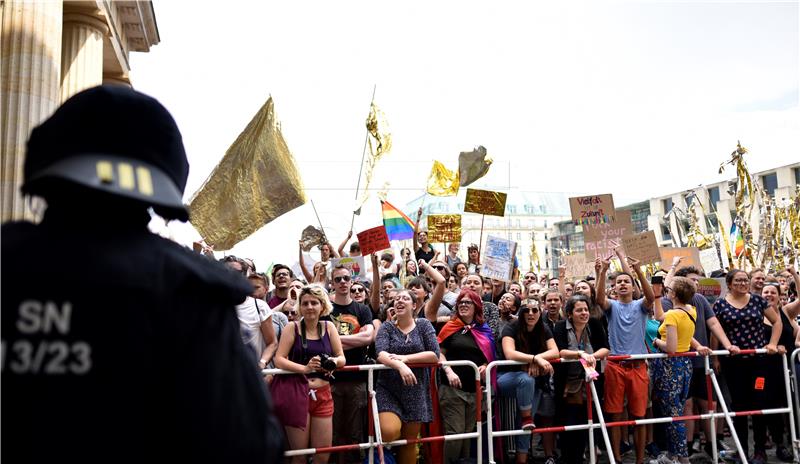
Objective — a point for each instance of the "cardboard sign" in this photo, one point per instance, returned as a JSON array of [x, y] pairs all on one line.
[[373, 240], [691, 257], [712, 289], [577, 267], [596, 237], [592, 209], [643, 247], [444, 228], [710, 261], [354, 263], [498, 259], [485, 202]]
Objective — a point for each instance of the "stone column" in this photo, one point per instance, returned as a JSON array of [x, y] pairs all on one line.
[[30, 50], [81, 53]]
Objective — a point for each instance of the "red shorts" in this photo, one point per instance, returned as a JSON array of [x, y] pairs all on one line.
[[626, 379], [323, 405]]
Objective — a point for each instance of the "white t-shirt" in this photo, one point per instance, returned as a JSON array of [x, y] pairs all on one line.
[[250, 319]]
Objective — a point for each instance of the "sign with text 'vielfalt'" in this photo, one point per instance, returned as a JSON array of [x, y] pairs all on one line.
[[485, 202], [643, 247], [592, 209], [372, 240], [597, 237], [498, 259], [444, 228]]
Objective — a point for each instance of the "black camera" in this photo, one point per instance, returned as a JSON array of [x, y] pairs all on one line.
[[327, 362]]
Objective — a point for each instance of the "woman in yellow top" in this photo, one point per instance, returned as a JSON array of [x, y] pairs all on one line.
[[672, 376]]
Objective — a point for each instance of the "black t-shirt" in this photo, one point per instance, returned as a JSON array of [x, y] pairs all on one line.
[[462, 347], [426, 255], [349, 319], [535, 346]]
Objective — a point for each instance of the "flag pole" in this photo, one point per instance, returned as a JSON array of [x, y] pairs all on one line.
[[480, 239], [363, 154], [320, 222]]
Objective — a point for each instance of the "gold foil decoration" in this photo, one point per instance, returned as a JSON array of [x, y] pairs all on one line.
[[256, 182], [745, 200], [472, 165], [380, 143], [312, 237], [444, 228], [442, 182], [535, 264]]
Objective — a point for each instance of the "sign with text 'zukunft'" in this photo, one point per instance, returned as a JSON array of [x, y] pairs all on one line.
[[485, 202], [592, 209], [498, 259], [444, 228]]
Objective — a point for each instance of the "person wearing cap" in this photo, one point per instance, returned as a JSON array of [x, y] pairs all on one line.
[[134, 351]]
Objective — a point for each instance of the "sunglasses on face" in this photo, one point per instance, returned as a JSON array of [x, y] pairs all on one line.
[[282, 274], [439, 268], [345, 278], [357, 290], [530, 310]]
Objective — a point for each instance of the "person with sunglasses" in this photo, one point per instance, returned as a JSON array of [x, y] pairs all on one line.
[[448, 305], [354, 323], [529, 341]]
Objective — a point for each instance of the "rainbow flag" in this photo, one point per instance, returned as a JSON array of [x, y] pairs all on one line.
[[737, 239], [398, 225]]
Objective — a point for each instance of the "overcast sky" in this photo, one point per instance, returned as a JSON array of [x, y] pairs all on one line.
[[638, 99]]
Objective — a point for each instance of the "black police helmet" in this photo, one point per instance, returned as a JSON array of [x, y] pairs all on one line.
[[115, 140]]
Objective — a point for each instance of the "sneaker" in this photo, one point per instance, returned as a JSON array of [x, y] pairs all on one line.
[[784, 454], [550, 460], [663, 458], [624, 447], [694, 446], [759, 457], [527, 423], [652, 450]]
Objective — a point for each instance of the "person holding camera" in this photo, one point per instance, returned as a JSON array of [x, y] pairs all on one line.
[[310, 347]]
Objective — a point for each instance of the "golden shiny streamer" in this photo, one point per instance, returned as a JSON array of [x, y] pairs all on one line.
[[472, 165], [442, 182], [380, 143], [725, 241], [745, 200], [256, 182], [535, 264]]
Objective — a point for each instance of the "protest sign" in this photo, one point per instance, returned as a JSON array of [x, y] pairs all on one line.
[[577, 267], [691, 256], [643, 247], [712, 289], [373, 240], [354, 263], [596, 237], [444, 228], [592, 209], [485, 202], [709, 259], [498, 259]]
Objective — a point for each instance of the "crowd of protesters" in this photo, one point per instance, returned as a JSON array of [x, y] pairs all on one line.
[[427, 306]]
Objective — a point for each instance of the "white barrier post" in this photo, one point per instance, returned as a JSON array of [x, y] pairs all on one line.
[[489, 422], [727, 417], [788, 387], [711, 410], [589, 396], [603, 428]]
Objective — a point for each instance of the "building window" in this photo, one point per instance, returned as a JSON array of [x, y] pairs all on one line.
[[770, 183], [797, 176], [665, 232], [511, 209], [713, 197], [519, 236], [667, 205]]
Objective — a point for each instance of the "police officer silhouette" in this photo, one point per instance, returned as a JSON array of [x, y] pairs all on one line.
[[119, 345]]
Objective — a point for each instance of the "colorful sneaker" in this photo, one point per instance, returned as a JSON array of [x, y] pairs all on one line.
[[550, 460], [652, 450], [527, 423]]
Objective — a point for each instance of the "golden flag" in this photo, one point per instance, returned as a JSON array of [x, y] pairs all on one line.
[[256, 182], [442, 181], [380, 143], [472, 165]]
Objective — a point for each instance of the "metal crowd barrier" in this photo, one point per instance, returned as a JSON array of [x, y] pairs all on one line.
[[375, 441], [711, 381]]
